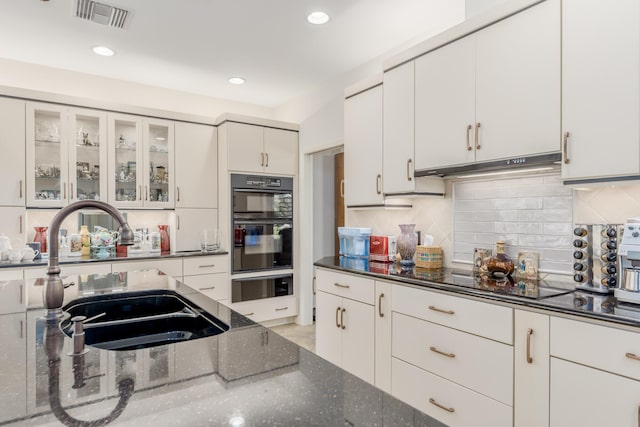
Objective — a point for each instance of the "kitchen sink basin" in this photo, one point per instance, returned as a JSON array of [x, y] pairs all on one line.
[[135, 320]]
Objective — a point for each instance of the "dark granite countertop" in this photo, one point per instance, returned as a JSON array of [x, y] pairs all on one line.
[[555, 296], [82, 260], [247, 376]]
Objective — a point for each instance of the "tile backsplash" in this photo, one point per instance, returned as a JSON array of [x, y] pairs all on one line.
[[534, 213]]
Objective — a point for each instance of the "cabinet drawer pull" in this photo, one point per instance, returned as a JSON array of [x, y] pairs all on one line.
[[341, 286], [435, 350], [342, 318], [380, 313], [439, 310], [565, 143], [282, 308], [633, 356], [337, 321], [20, 189], [249, 314], [529, 333], [208, 288], [469, 147], [266, 163], [378, 179], [409, 170], [207, 266], [71, 190], [476, 135], [178, 195], [433, 402]]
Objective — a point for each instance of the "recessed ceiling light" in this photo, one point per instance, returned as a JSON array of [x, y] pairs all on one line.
[[103, 51], [318, 18], [236, 80]]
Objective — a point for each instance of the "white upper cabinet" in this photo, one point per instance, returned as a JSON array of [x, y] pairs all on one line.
[[363, 148], [494, 94], [196, 162], [600, 88], [12, 144], [253, 148], [398, 130], [141, 162]]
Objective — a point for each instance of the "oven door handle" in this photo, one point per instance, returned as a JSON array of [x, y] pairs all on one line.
[[246, 279], [262, 221]]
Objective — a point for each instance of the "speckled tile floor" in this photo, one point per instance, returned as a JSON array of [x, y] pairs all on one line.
[[304, 336]]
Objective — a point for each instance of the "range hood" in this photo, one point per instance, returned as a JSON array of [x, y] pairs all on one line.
[[550, 160]]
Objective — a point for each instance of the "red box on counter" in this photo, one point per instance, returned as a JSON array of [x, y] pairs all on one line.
[[382, 248]]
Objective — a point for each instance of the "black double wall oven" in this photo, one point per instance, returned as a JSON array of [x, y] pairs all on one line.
[[262, 222]]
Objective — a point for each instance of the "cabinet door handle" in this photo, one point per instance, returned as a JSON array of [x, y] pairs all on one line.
[[476, 135], [178, 222], [71, 191], [21, 329], [146, 193], [178, 195], [140, 192], [266, 156], [21, 294], [529, 333], [565, 143], [433, 402], [337, 321], [207, 289], [409, 161], [20, 224], [342, 318], [380, 313], [20, 191], [262, 161], [341, 285], [262, 339], [342, 188], [207, 266], [64, 191], [282, 308], [633, 356], [439, 310], [266, 336], [313, 285], [469, 147], [378, 179], [435, 350]]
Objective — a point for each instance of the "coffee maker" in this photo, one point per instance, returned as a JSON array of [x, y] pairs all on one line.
[[628, 289], [595, 256]]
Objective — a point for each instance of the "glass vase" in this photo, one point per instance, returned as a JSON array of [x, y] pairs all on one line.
[[406, 244], [41, 236], [164, 239]]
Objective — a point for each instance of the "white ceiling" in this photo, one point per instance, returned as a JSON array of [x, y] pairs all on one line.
[[196, 45]]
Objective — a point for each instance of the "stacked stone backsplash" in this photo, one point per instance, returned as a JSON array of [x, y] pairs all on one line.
[[535, 213]]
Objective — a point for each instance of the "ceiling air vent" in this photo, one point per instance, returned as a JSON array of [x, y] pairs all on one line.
[[101, 13]]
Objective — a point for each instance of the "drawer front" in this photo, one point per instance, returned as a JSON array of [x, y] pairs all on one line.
[[459, 406], [605, 348], [479, 318], [215, 286], [170, 267], [477, 363], [350, 286], [268, 309], [206, 265]]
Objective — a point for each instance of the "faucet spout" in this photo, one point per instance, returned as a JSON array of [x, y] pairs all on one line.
[[53, 296]]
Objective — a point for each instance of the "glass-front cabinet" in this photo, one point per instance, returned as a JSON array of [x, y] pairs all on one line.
[[66, 155], [141, 162]]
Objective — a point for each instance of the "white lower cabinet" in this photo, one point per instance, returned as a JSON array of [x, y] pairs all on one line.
[[13, 364], [531, 359], [215, 286], [170, 267], [445, 400], [383, 334], [588, 397], [268, 308]]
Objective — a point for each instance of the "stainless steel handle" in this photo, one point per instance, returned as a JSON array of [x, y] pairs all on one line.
[[435, 350], [64, 191], [380, 313], [433, 402], [20, 191], [207, 266], [313, 285], [21, 294], [337, 321], [21, 329], [266, 164], [476, 135], [207, 288], [178, 222], [71, 191], [378, 179], [249, 314], [342, 318], [439, 310], [529, 333], [342, 188], [565, 143], [140, 192], [20, 225], [469, 147], [282, 308], [146, 193], [178, 195], [262, 161], [409, 161], [633, 356], [341, 285]]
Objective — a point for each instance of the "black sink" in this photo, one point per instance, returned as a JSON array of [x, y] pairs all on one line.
[[134, 320]]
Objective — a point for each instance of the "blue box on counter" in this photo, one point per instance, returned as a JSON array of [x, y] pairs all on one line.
[[354, 241]]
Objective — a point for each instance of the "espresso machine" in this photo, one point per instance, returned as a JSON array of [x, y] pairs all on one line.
[[628, 289], [595, 257]]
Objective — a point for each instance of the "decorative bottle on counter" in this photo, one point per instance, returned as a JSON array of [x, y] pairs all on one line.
[[41, 236], [500, 265], [85, 240], [165, 246], [406, 244]]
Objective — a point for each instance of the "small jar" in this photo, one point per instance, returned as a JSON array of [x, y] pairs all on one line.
[[500, 265]]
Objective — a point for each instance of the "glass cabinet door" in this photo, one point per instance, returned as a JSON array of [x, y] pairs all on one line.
[[159, 161], [125, 157], [88, 155], [46, 155]]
